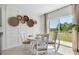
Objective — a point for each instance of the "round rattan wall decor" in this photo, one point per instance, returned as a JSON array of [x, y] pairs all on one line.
[[19, 17], [26, 18], [30, 23], [13, 21]]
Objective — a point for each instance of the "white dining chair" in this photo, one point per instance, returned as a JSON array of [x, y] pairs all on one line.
[[24, 40], [41, 45]]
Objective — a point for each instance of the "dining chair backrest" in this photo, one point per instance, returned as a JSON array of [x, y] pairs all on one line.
[[23, 35], [41, 45], [43, 40], [43, 37]]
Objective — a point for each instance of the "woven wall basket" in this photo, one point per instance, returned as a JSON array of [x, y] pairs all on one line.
[[19, 17], [13, 21], [26, 18], [30, 23]]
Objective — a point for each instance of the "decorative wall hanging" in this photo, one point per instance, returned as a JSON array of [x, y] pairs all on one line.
[[26, 18], [19, 17], [13, 21], [30, 23]]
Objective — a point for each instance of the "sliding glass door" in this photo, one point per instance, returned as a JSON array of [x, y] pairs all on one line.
[[61, 26], [53, 29], [65, 28]]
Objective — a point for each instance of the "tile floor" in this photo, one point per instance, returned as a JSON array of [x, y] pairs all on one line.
[[63, 50]]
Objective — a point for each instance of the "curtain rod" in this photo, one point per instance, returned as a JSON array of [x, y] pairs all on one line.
[[57, 9]]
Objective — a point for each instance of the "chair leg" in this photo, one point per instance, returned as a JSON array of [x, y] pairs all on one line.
[[46, 52], [24, 46]]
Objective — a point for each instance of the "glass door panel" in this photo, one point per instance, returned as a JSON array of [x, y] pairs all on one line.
[[61, 27]]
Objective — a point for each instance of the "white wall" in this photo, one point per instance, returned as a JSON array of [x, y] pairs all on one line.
[[41, 18], [3, 26], [11, 37]]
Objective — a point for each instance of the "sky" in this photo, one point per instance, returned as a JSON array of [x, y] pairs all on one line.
[[55, 22]]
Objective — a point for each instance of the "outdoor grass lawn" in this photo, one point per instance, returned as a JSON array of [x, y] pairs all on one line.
[[64, 36]]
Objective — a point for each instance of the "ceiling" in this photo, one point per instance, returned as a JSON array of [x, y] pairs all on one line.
[[40, 8]]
